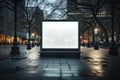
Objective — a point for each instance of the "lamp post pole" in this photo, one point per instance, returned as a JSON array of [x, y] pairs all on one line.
[[96, 41], [15, 49], [28, 45], [33, 37]]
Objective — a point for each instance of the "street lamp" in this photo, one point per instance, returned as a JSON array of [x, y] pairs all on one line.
[[28, 44], [33, 36], [15, 49], [96, 43], [36, 36], [29, 31]]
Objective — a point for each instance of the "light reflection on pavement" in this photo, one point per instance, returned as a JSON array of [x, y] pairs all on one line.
[[95, 60], [92, 65], [33, 53]]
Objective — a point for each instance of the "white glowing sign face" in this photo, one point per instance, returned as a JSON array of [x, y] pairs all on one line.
[[60, 34]]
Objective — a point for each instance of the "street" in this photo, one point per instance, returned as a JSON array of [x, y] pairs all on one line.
[[92, 65]]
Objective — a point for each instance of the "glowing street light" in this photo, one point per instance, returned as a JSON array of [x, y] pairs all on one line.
[[96, 31], [36, 36], [33, 34], [96, 43]]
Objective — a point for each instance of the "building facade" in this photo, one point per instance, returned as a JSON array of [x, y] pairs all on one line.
[[7, 23]]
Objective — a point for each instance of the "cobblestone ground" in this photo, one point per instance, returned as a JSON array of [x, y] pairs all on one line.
[[92, 65]]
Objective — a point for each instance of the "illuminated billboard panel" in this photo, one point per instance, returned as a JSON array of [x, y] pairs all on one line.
[[60, 35]]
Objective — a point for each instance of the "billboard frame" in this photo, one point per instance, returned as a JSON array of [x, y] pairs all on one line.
[[59, 50]]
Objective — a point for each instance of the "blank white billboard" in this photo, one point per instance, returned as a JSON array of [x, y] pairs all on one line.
[[60, 34]]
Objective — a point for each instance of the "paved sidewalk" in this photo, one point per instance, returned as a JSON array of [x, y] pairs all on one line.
[[6, 49], [92, 65]]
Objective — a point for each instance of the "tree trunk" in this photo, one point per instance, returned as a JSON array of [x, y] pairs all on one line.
[[102, 27], [93, 35]]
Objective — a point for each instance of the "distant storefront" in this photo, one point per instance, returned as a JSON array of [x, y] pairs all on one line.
[[5, 39]]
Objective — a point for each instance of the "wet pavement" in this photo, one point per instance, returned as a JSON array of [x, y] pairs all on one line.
[[92, 65]]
